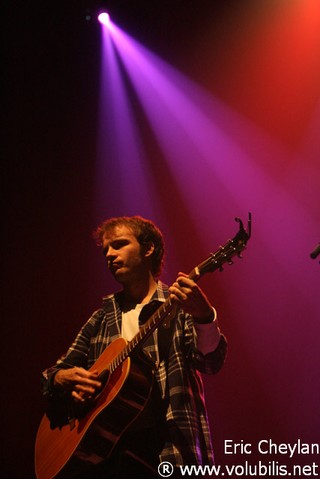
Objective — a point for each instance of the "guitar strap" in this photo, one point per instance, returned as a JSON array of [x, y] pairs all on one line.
[[165, 335], [165, 330]]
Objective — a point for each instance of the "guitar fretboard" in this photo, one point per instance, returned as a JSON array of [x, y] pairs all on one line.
[[144, 332]]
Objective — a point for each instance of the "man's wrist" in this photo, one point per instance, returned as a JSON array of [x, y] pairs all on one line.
[[207, 319], [208, 334]]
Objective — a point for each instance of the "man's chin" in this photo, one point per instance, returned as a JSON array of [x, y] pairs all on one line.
[[119, 274]]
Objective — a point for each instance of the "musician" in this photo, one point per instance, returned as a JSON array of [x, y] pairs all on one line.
[[173, 425]]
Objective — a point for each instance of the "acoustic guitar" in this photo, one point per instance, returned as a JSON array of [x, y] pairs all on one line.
[[126, 386]]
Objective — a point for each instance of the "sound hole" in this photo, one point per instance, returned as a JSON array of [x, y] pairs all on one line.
[[104, 377]]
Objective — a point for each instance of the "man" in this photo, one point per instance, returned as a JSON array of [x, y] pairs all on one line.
[[173, 424]]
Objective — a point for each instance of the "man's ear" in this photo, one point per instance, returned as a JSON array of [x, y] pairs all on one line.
[[148, 249]]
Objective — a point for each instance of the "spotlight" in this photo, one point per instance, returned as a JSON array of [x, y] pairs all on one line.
[[104, 18]]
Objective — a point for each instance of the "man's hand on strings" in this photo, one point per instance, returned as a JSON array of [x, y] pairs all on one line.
[[83, 384]]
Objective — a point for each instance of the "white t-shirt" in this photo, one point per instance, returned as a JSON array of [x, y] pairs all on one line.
[[130, 322]]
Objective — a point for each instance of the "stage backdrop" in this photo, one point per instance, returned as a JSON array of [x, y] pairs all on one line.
[[190, 114]]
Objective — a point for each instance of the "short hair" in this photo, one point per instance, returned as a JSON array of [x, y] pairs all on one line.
[[144, 230]]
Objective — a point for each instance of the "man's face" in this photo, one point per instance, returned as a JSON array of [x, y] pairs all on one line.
[[124, 254]]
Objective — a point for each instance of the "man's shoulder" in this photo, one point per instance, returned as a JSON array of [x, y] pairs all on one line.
[[110, 301], [108, 297]]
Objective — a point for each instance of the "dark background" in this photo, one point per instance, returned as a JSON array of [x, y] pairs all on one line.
[[53, 275]]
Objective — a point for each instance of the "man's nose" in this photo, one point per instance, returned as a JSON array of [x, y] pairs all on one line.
[[110, 254]]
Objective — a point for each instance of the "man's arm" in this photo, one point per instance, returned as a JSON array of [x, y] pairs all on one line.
[[210, 347]]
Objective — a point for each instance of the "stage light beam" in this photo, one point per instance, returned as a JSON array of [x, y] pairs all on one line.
[[104, 18]]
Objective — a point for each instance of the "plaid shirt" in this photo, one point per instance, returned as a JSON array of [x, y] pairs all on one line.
[[177, 373]]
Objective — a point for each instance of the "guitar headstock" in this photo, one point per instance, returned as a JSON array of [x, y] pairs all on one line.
[[225, 253]]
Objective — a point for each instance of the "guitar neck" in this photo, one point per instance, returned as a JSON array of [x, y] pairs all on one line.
[[155, 320], [144, 332]]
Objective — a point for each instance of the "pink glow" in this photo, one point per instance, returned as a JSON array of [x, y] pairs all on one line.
[[222, 120], [104, 18], [188, 160]]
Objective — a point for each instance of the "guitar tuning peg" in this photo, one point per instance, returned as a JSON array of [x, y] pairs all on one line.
[[240, 255], [230, 262]]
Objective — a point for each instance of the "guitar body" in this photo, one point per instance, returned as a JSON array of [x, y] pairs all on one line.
[[95, 433]]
